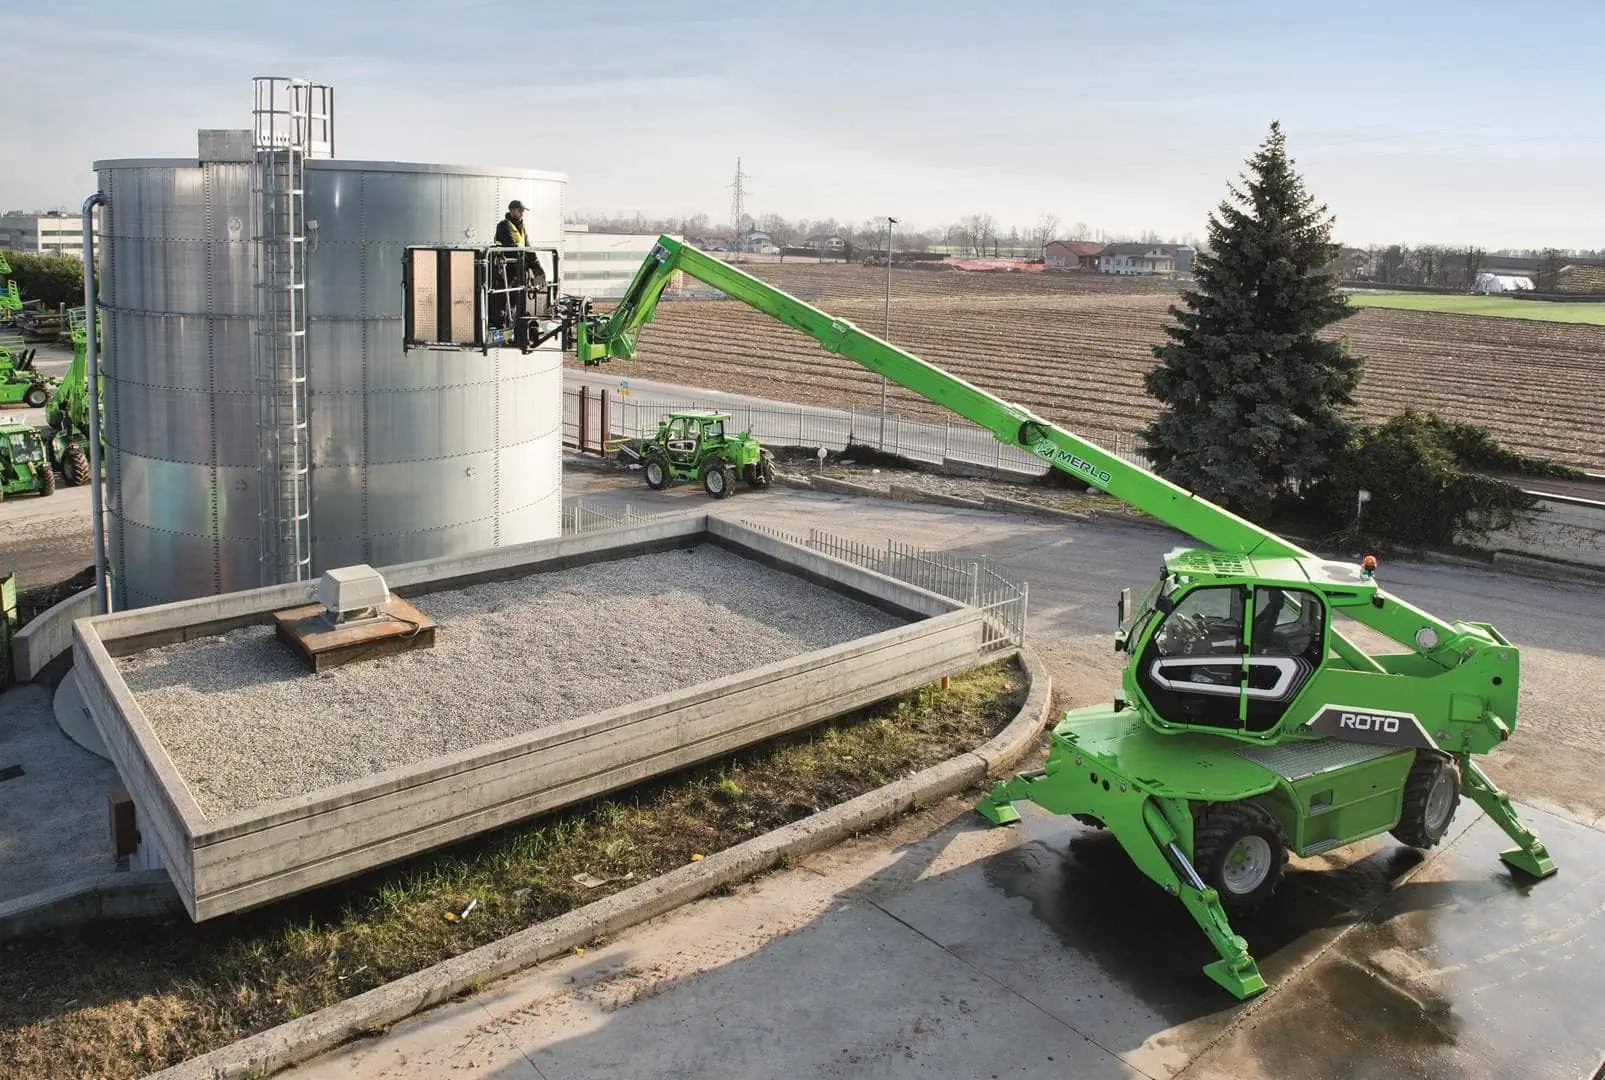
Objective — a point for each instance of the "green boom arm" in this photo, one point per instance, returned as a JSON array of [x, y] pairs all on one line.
[[613, 337]]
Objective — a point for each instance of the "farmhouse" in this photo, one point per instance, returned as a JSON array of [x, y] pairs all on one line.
[[1071, 255], [1140, 259], [825, 243]]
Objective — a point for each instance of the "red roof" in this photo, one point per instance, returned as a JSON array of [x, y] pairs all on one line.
[[1074, 247]]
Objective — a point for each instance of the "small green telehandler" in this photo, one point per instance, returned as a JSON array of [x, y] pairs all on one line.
[[24, 465], [693, 444]]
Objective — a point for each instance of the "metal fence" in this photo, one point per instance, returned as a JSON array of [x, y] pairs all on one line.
[[581, 517], [948, 442], [1002, 598]]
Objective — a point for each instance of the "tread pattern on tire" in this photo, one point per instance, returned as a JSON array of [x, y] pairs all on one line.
[[1215, 825], [1411, 829], [75, 464]]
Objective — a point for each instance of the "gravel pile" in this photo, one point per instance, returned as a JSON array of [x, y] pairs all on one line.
[[247, 724]]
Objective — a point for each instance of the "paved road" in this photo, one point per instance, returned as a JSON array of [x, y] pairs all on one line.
[[949, 949]]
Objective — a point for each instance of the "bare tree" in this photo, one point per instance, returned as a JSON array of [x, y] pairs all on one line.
[[1044, 232], [980, 232]]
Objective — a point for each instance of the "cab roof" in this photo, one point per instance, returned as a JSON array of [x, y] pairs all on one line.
[[1200, 564], [700, 414]]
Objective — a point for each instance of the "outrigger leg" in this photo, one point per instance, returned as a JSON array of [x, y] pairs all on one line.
[[1142, 829], [1531, 857]]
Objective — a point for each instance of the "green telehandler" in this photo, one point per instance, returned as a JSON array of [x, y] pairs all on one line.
[[693, 444], [20, 384], [67, 410], [24, 465], [1247, 726]]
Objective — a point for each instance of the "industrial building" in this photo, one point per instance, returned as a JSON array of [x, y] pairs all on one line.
[[51, 233]]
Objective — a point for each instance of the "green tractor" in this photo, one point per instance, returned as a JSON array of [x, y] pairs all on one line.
[[24, 468], [693, 445]]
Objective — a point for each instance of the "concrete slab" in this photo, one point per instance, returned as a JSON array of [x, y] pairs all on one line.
[[53, 816], [1465, 970], [72, 715], [950, 949]]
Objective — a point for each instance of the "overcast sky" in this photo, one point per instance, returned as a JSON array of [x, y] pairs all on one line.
[[1466, 122]]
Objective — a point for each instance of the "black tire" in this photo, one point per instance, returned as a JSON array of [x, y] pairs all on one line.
[[47, 479], [36, 397], [657, 473], [717, 480], [75, 466], [759, 474], [1431, 794], [1240, 851]]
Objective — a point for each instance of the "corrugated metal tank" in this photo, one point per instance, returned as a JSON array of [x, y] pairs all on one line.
[[413, 454]]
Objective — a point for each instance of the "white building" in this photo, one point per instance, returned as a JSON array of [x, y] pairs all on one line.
[[1499, 283], [54, 232], [601, 265]]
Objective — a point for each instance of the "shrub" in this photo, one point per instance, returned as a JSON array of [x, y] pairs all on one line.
[[51, 278], [1427, 483]]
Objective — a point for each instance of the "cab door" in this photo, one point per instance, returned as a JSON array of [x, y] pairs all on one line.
[[1192, 668]]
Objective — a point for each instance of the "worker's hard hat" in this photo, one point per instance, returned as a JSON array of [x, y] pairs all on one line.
[[515, 205]]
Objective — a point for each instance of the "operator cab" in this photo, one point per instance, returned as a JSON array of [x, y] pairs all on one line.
[[1226, 643], [24, 446]]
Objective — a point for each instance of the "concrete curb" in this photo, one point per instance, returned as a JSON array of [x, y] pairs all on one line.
[[1031, 509], [791, 481], [306, 1037], [844, 487], [1115, 517], [1548, 570], [903, 493], [116, 895]]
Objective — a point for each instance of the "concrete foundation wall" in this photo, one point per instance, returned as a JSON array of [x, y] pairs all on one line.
[[252, 858], [48, 635], [1569, 530]]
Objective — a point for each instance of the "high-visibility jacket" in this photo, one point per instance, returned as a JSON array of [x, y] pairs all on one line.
[[510, 234]]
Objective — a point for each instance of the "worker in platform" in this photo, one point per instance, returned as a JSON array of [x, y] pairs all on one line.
[[513, 306], [510, 230]]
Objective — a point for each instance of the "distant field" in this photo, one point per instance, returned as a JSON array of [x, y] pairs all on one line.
[[1499, 306], [1074, 347]]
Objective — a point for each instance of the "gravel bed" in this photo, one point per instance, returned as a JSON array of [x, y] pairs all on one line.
[[246, 724]]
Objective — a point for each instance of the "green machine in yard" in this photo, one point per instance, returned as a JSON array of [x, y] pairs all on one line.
[[1248, 725], [67, 411], [24, 465], [694, 444]]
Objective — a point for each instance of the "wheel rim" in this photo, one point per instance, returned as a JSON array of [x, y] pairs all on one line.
[[1246, 864], [654, 472], [716, 481], [1439, 802]]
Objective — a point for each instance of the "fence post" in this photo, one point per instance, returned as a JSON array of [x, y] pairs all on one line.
[[1025, 607], [585, 401], [607, 427]]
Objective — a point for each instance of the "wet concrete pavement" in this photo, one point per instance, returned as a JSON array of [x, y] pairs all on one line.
[[952, 949]]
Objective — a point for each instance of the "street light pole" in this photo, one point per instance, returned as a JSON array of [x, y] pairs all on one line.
[[886, 332]]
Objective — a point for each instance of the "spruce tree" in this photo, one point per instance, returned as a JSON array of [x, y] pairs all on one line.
[[1255, 402]]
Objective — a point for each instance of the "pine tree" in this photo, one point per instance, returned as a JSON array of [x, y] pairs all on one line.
[[1255, 402]]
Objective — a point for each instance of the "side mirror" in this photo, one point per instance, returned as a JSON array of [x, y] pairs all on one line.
[[1122, 606]]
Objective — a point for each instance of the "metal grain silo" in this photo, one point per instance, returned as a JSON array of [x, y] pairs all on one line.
[[411, 455]]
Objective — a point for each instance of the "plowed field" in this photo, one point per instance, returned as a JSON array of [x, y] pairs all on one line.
[[1074, 348]]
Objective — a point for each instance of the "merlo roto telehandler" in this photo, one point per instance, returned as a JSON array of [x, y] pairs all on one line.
[[1248, 726]]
